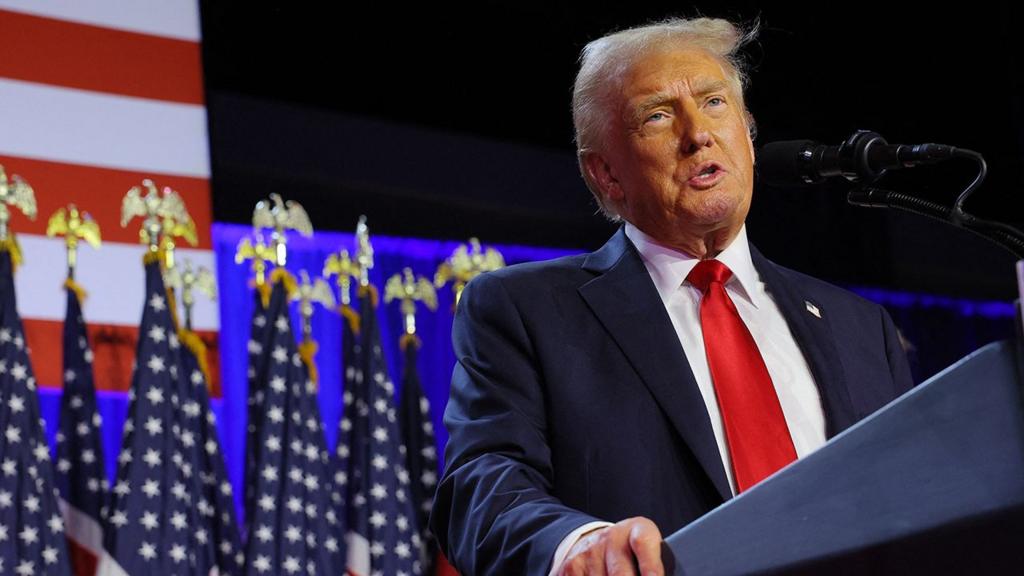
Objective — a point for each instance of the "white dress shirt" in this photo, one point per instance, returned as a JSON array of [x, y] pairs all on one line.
[[798, 395]]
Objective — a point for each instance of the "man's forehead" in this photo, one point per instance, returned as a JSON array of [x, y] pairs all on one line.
[[694, 68]]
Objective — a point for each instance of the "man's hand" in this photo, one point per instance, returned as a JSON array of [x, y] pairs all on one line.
[[617, 550]]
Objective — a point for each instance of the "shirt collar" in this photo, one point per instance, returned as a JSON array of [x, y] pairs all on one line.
[[669, 267]]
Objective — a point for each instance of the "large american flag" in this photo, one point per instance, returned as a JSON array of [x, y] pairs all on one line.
[[31, 527], [81, 475], [157, 525], [293, 527], [381, 529], [95, 96]]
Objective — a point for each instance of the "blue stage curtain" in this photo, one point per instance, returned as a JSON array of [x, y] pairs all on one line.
[[941, 330]]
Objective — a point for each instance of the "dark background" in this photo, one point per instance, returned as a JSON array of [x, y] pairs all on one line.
[[447, 121]]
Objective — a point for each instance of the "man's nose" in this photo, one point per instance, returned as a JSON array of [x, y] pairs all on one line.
[[696, 133]]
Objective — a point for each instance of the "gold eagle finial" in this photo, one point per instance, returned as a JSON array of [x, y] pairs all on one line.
[[409, 289], [279, 216], [14, 192], [188, 280], [73, 225], [310, 292], [465, 263], [164, 219], [259, 252], [344, 268]]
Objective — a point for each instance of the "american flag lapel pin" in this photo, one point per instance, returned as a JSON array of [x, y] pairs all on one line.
[[813, 309]]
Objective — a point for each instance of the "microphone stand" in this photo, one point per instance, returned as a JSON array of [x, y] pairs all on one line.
[[1002, 234]]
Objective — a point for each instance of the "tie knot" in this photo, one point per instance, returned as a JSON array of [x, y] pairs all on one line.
[[708, 271]]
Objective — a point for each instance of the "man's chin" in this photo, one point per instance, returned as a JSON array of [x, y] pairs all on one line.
[[714, 210]]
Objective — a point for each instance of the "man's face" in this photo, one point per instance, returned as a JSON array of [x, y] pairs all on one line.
[[678, 160]]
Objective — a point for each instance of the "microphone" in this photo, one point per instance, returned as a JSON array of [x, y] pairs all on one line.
[[863, 156]]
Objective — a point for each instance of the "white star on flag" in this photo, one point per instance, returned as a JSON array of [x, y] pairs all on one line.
[[157, 303]]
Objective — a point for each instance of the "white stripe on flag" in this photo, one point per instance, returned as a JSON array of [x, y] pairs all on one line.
[[82, 127], [87, 533], [113, 276], [358, 562], [170, 18]]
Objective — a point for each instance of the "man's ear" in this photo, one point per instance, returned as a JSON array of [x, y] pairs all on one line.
[[751, 133], [601, 175]]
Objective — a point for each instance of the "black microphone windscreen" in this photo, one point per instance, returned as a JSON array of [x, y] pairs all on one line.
[[780, 164]]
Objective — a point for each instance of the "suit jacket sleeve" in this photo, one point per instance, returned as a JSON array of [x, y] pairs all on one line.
[[494, 512], [899, 366]]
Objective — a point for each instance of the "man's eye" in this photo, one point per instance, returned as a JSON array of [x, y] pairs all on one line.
[[716, 101], [657, 116]]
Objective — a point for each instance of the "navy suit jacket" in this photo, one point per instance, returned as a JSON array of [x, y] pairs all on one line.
[[572, 401]]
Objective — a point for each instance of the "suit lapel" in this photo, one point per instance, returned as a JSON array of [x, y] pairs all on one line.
[[810, 324], [627, 304]]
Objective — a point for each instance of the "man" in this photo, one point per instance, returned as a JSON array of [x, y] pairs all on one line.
[[603, 401]]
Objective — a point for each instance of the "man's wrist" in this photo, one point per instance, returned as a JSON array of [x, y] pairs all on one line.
[[569, 541]]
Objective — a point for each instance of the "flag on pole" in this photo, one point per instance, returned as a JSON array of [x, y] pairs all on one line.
[[81, 475], [293, 527], [414, 415], [381, 533], [32, 537], [421, 448], [260, 254], [349, 333], [156, 525], [216, 504], [258, 342], [344, 269]]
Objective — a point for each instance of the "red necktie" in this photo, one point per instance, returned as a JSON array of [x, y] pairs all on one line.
[[755, 428]]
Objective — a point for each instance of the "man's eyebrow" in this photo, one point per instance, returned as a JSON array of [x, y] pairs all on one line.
[[658, 99], [708, 86], [655, 100]]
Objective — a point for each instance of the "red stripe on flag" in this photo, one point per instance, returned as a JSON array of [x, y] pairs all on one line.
[[76, 55], [99, 192], [83, 561], [113, 352], [442, 567]]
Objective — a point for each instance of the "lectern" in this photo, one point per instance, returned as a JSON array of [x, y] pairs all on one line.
[[931, 484]]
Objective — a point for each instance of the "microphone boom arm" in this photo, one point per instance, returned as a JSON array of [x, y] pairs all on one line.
[[1002, 234]]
